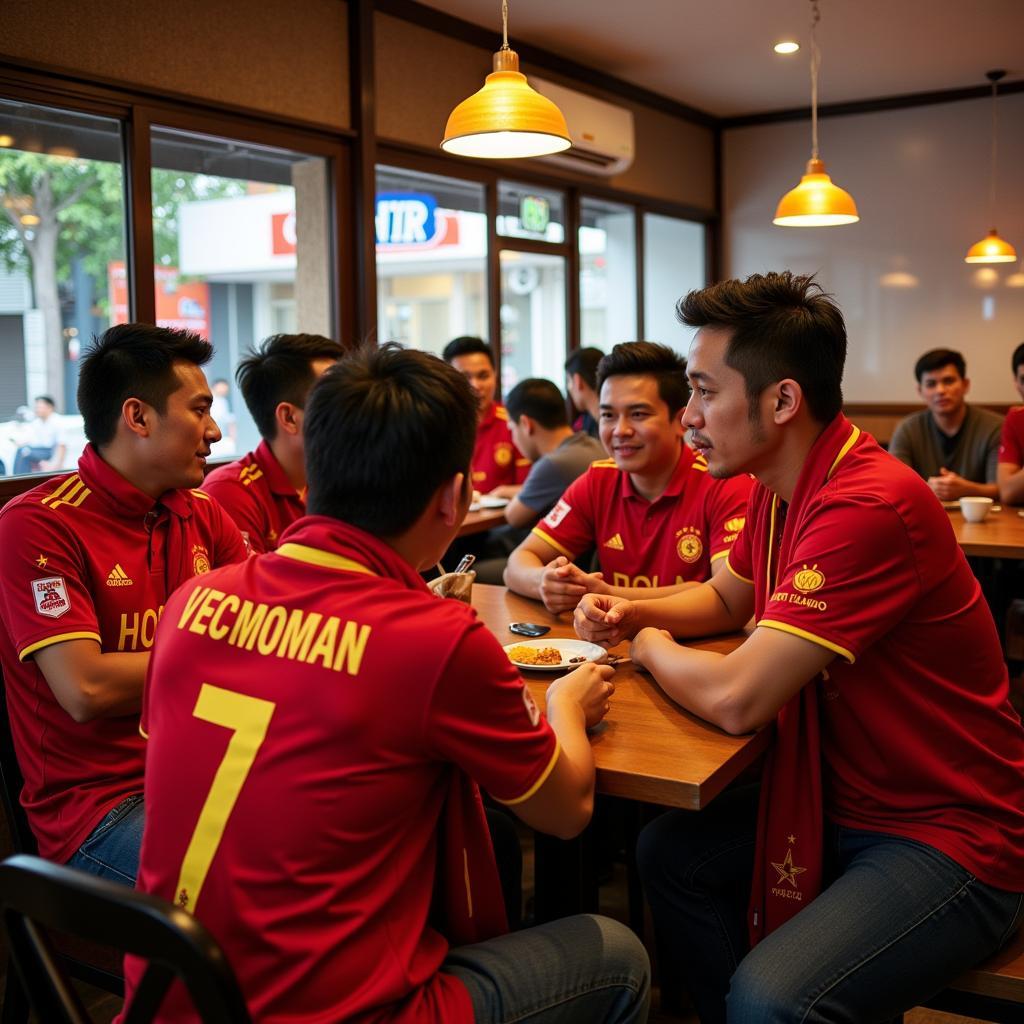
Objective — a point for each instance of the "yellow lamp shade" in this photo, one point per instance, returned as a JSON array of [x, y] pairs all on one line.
[[816, 202], [506, 119], [991, 249]]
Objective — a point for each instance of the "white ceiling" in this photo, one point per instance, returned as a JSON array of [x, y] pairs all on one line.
[[716, 55]]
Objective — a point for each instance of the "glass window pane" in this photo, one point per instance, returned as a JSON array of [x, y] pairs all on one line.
[[607, 240], [532, 318], [431, 259], [527, 211], [241, 237], [674, 263], [61, 230]]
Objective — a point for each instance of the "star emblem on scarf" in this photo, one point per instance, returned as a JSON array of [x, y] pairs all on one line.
[[788, 871]]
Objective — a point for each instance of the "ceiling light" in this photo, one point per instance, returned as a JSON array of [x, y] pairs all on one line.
[[506, 119], [992, 248], [6, 140], [786, 46], [815, 202]]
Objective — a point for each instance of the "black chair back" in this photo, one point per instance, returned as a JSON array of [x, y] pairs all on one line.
[[11, 782], [37, 897]]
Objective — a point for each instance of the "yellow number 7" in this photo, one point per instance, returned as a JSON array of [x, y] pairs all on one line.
[[248, 718]]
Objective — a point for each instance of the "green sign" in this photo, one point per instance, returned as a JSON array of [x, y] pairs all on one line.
[[534, 214]]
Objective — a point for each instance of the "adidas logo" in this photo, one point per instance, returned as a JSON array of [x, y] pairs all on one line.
[[118, 578], [615, 543]]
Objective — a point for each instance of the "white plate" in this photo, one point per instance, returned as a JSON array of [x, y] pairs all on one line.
[[567, 648], [487, 502]]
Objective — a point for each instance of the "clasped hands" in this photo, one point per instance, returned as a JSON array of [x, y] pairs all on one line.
[[606, 620]]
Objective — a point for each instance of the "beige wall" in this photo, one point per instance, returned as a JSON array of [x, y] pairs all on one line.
[[422, 75], [920, 178], [286, 60]]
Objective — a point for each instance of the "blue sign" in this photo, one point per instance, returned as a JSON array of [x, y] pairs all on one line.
[[405, 218]]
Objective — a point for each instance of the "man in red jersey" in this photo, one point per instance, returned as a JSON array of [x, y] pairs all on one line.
[[88, 561], [499, 467], [656, 518], [1011, 445], [355, 709], [886, 853], [264, 491]]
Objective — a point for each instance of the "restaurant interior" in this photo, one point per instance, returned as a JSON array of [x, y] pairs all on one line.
[[244, 168]]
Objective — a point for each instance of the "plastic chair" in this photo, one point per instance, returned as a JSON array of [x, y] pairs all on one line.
[[37, 896]]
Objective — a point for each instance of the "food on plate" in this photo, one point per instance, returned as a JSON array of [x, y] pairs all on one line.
[[535, 655]]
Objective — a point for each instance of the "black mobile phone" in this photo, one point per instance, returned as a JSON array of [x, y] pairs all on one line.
[[528, 628]]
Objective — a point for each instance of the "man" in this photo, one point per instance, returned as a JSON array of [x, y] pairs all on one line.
[[362, 706], [499, 468], [887, 853], [264, 491], [540, 430], [655, 516], [224, 417], [44, 448], [1011, 443], [953, 445], [581, 383], [88, 561]]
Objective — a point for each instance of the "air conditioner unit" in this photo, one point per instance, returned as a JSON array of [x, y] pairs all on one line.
[[602, 133]]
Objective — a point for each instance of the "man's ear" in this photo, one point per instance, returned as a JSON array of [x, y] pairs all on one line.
[[788, 400], [454, 498], [138, 416], [288, 417]]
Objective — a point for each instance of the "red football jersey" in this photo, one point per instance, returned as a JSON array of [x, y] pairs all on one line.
[[1011, 442], [496, 460], [918, 735], [641, 543], [88, 555], [304, 711], [259, 497]]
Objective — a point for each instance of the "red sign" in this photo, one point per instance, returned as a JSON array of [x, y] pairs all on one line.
[[283, 230], [183, 305]]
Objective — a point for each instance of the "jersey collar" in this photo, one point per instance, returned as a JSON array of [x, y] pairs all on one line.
[[273, 471], [677, 482], [121, 497]]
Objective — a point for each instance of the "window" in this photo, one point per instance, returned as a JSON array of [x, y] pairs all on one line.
[[242, 250], [532, 318], [607, 241], [431, 259], [674, 263], [62, 224]]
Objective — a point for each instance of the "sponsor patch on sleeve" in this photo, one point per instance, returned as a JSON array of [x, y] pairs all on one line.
[[51, 596], [558, 513]]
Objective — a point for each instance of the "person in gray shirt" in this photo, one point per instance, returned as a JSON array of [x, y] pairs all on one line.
[[953, 445], [540, 430]]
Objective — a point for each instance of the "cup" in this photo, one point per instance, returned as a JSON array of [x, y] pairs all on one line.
[[457, 585], [975, 509]]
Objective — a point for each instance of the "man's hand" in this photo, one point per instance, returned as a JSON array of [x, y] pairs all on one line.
[[643, 641], [949, 486], [604, 620], [562, 584], [589, 688]]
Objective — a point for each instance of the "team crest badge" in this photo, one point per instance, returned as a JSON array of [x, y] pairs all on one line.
[[531, 706], [502, 454], [558, 513], [809, 580], [51, 597], [689, 547], [200, 560]]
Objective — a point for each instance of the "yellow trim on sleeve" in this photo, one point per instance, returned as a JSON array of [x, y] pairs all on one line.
[[199, 494], [58, 639], [850, 442], [604, 464], [785, 627], [724, 553], [142, 732], [728, 566], [554, 543], [324, 559], [541, 779]]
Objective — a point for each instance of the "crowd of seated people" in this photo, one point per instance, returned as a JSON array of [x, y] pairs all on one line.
[[188, 656]]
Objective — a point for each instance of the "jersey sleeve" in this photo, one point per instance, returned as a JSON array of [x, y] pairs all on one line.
[[45, 597], [569, 526], [726, 512], [1009, 441], [851, 578], [229, 546], [483, 719], [242, 509]]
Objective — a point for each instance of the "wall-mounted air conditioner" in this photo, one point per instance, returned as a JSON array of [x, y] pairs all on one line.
[[602, 133]]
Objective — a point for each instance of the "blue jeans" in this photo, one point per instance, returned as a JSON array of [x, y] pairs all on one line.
[[112, 849], [895, 923], [27, 457], [585, 969]]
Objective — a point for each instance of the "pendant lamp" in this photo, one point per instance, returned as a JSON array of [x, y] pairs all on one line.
[[815, 202], [506, 119], [992, 248]]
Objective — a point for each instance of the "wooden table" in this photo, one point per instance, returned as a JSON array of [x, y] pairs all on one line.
[[648, 748], [1000, 535], [485, 519]]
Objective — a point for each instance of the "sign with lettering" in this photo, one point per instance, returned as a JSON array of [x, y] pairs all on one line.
[[405, 218]]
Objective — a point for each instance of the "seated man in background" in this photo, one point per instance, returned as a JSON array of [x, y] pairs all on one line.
[[365, 708], [953, 445], [88, 561], [886, 850], [499, 468], [1011, 443], [43, 448], [581, 383], [655, 516], [264, 491]]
